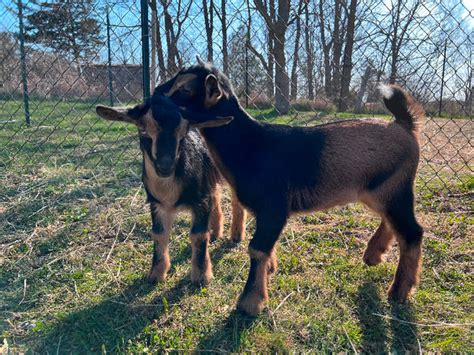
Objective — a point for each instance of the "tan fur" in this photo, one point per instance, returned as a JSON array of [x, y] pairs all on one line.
[[160, 270], [378, 245], [239, 215], [216, 222], [212, 96], [160, 243], [200, 274], [408, 271], [149, 126], [272, 262], [165, 190], [253, 302], [181, 80]]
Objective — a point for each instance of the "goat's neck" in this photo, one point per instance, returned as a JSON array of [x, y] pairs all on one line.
[[229, 143]]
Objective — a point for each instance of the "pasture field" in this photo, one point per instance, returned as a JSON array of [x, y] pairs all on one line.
[[74, 250]]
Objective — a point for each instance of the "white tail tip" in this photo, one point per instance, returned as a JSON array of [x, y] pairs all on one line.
[[386, 91]]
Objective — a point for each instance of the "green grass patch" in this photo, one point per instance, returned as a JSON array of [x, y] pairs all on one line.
[[75, 247]]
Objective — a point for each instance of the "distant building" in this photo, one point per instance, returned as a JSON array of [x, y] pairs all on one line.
[[127, 80]]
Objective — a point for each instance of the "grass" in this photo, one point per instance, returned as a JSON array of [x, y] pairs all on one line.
[[74, 249]]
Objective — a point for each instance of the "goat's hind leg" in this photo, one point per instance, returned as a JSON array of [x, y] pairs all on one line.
[[238, 219], [409, 234], [201, 272], [161, 226], [217, 220], [379, 244]]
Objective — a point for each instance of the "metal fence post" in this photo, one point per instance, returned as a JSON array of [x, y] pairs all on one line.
[[24, 76], [109, 57], [145, 49], [442, 78]]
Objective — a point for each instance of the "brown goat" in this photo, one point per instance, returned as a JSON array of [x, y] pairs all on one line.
[[279, 170]]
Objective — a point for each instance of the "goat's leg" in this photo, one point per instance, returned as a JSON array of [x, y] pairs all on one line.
[[217, 220], [262, 260], [379, 244], [239, 216], [161, 226], [201, 272], [401, 216]]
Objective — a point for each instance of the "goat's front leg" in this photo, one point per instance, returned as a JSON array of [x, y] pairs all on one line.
[[262, 261], [201, 272], [161, 226]]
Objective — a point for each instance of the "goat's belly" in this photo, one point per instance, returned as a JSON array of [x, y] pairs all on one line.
[[307, 200]]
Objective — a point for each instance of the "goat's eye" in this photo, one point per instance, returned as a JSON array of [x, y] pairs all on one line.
[[185, 90]]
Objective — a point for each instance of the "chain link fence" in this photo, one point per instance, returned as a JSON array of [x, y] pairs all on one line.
[[294, 62]]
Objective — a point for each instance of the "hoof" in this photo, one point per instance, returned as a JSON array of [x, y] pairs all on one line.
[[237, 238], [202, 278], [372, 258], [251, 305], [154, 278], [399, 294]]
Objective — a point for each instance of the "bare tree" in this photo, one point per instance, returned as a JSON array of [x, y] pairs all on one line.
[[222, 15], [347, 59], [208, 12], [309, 54], [294, 68], [359, 105], [172, 36], [277, 22], [399, 26], [337, 39]]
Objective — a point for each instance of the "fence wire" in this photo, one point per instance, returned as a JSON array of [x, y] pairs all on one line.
[[294, 62]]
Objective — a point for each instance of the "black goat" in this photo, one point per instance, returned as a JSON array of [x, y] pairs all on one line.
[[178, 173], [279, 170]]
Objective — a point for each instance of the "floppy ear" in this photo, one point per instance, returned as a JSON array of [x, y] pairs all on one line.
[[216, 122], [213, 91], [115, 114]]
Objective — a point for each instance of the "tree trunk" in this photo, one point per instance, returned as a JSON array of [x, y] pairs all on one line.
[[337, 50], [225, 55], [271, 65], [208, 11], [154, 20], [326, 52], [347, 60], [171, 65], [282, 102], [359, 105], [294, 69], [159, 48], [309, 56]]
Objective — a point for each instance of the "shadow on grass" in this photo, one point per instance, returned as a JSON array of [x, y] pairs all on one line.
[[110, 324], [404, 329], [227, 337], [375, 326]]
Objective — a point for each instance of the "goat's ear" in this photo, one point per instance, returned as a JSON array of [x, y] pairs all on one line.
[[213, 91], [216, 122], [115, 114], [200, 61]]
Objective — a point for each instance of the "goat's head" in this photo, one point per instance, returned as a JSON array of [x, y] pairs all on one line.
[[162, 127], [199, 87]]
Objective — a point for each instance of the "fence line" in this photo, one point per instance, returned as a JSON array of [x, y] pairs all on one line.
[[291, 62]]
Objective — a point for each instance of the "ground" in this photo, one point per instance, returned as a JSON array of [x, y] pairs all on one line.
[[75, 247]]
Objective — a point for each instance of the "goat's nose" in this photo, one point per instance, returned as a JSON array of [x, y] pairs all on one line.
[[165, 161]]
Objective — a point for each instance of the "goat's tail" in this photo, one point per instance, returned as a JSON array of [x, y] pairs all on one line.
[[407, 111]]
